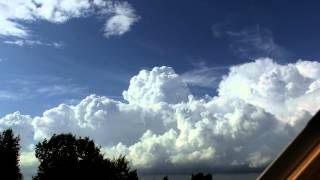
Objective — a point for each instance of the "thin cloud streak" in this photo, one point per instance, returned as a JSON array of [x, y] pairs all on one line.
[[34, 87], [33, 43], [204, 76], [251, 42]]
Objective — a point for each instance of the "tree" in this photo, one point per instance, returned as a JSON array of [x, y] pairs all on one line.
[[201, 176], [165, 178], [66, 157], [121, 170], [9, 155]]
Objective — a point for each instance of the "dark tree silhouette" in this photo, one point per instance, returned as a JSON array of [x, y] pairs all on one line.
[[66, 157], [9, 156], [165, 178], [201, 176], [121, 170]]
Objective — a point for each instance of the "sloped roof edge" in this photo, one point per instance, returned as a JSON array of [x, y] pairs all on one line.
[[295, 152]]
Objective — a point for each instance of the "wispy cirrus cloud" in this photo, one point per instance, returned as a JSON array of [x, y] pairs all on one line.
[[33, 43], [7, 95], [48, 87], [256, 42], [60, 89], [251, 42], [218, 30], [204, 76]]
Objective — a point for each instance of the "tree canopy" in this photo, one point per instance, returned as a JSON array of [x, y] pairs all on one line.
[[201, 176], [66, 157], [165, 178], [9, 155]]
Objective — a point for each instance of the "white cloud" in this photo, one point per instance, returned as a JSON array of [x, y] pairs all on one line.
[[261, 105], [56, 44], [20, 124], [273, 87], [28, 164], [9, 28], [161, 84], [16, 15], [22, 42], [122, 20], [33, 43]]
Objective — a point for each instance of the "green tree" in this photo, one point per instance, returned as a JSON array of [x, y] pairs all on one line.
[[66, 157], [165, 178], [9, 156], [201, 176]]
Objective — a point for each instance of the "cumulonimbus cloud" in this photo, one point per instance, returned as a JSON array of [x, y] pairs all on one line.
[[162, 127], [16, 15]]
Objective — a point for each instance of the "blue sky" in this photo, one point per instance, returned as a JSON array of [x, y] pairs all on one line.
[[213, 79], [168, 33]]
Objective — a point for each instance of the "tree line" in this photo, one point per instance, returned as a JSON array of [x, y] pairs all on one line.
[[67, 157]]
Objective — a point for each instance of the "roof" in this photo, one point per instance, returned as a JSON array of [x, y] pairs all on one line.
[[301, 158]]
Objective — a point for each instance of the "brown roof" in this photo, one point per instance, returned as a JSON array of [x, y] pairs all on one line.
[[301, 158]]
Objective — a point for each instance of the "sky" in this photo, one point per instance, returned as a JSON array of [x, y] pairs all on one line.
[[177, 86]]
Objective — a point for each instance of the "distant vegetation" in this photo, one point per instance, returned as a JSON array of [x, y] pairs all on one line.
[[165, 178], [66, 157], [198, 176], [201, 176]]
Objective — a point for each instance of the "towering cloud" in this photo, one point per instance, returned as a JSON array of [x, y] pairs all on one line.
[[162, 127], [161, 84]]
